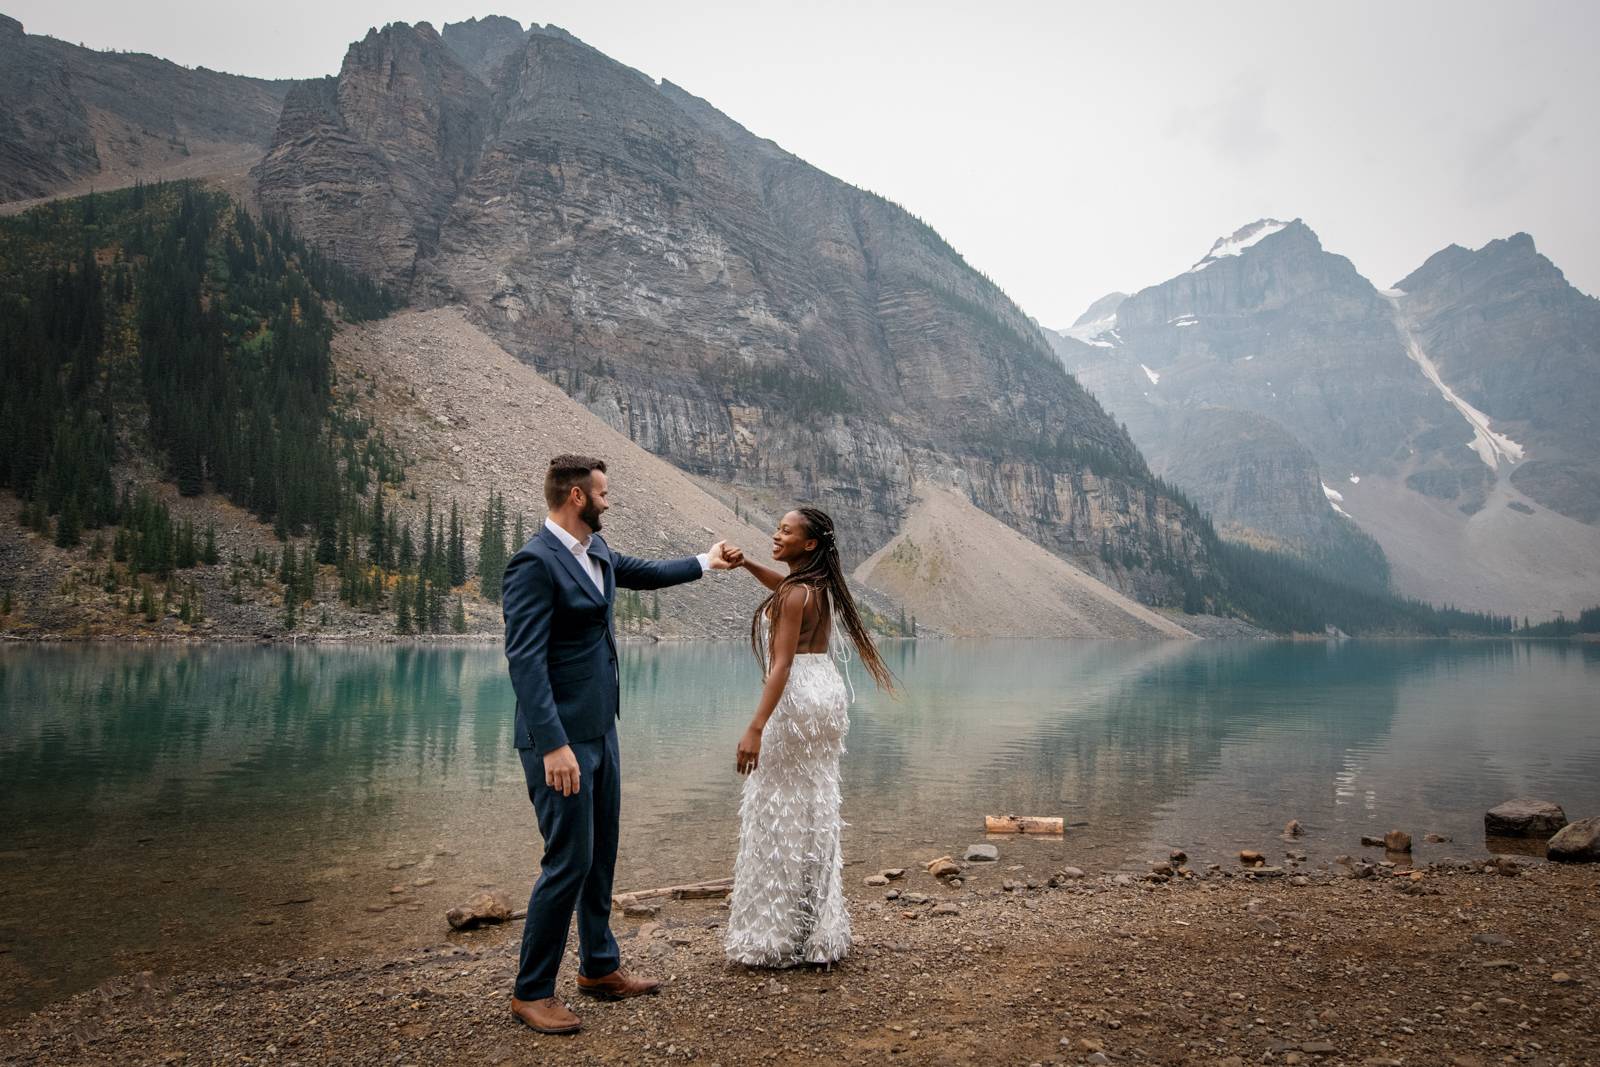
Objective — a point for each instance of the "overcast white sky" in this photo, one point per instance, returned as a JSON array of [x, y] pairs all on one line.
[[1070, 149]]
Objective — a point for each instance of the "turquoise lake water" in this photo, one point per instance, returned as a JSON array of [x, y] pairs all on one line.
[[209, 807]]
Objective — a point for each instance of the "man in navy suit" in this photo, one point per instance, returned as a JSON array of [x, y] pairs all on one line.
[[562, 655]]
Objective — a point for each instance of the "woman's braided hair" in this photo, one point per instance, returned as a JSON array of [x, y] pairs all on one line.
[[823, 571]]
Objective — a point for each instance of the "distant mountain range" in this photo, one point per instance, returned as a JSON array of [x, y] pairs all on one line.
[[1452, 417]]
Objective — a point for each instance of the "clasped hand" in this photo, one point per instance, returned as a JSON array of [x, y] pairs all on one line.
[[725, 557]]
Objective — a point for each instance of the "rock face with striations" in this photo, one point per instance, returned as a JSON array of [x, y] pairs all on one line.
[[70, 114], [715, 298], [376, 155]]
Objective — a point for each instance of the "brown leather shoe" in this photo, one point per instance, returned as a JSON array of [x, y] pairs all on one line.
[[548, 1015], [618, 985]]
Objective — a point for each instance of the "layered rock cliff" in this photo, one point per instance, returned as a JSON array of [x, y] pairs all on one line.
[[71, 116], [714, 298]]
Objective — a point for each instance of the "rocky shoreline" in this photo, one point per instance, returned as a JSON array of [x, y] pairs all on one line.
[[1460, 962]]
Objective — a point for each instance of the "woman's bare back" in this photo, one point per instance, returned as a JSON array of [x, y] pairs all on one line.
[[816, 623]]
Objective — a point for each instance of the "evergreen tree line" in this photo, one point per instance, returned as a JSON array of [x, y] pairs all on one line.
[[1587, 622], [1282, 593], [423, 589], [170, 302], [384, 564]]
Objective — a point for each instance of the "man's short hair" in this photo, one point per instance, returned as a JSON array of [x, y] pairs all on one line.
[[565, 472]]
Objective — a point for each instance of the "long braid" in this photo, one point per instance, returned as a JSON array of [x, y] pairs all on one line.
[[824, 570]]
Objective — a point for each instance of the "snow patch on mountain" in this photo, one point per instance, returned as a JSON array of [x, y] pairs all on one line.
[[1233, 245], [1335, 498], [1102, 332], [1491, 447], [1155, 378]]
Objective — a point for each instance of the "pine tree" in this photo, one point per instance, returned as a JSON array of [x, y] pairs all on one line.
[[328, 547], [208, 555], [458, 548], [408, 548], [402, 624], [375, 547], [458, 623], [68, 530], [308, 573], [492, 548], [419, 606], [436, 600], [185, 555], [391, 541], [427, 540]]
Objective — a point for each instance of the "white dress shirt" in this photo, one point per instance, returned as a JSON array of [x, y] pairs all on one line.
[[590, 565]]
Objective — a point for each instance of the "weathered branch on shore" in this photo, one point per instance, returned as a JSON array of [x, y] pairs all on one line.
[[1024, 824], [712, 890]]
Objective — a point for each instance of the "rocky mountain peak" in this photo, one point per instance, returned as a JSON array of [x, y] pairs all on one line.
[[393, 38], [482, 45], [10, 27], [1097, 326], [1100, 310], [1503, 262], [1253, 234], [382, 149], [1518, 342]]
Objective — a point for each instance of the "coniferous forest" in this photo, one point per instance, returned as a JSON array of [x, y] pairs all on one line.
[[166, 316], [164, 321]]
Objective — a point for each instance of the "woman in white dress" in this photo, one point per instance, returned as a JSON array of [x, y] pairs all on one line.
[[788, 895]]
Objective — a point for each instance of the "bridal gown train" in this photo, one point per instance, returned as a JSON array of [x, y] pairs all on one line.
[[788, 893]]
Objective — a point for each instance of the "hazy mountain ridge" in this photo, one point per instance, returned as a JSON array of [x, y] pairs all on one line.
[[71, 116], [1278, 328]]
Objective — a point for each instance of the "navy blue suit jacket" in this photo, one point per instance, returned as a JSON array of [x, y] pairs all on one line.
[[560, 647]]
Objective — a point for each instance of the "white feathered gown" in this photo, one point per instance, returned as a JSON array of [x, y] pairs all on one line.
[[788, 890]]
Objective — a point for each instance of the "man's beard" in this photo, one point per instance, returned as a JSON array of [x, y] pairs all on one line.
[[590, 515]]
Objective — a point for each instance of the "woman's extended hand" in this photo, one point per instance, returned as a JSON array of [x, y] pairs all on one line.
[[749, 754]]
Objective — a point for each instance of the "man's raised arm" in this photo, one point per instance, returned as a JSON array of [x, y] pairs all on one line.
[[635, 573]]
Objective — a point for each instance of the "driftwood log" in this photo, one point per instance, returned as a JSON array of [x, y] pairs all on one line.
[[1024, 824], [712, 890]]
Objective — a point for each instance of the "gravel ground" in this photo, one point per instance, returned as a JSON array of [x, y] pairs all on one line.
[[1459, 964]]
